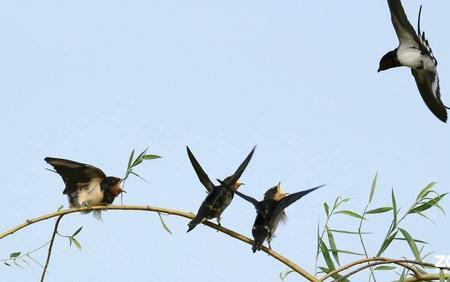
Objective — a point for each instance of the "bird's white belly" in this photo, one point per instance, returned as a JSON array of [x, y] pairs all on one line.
[[92, 195], [413, 58]]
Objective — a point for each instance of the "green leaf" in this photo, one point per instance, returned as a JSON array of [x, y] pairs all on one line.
[[327, 209], [379, 210], [76, 232], [139, 158], [394, 206], [335, 276], [429, 204], [346, 252], [349, 232], [326, 256], [384, 267], [424, 191], [130, 160], [415, 240], [332, 245], [351, 213], [14, 255], [75, 242], [411, 243], [164, 224], [372, 189], [386, 243], [7, 264], [151, 157], [138, 176], [60, 208]]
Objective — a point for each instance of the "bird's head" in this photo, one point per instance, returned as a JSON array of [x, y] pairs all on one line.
[[390, 60], [112, 184], [275, 193]]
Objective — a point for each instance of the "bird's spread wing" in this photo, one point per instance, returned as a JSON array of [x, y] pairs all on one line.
[[405, 32], [288, 200], [231, 181], [75, 174], [428, 84], [202, 176], [248, 199]]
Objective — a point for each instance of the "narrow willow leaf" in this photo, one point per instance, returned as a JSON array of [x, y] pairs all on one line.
[[26, 262], [17, 264], [384, 267], [139, 158], [326, 256], [351, 213], [340, 201], [372, 189], [151, 157], [76, 232], [346, 252], [423, 192], [327, 209], [60, 208], [429, 204], [394, 206], [7, 264], [336, 276], [164, 224], [411, 243], [14, 255], [386, 243], [415, 240], [332, 245], [349, 232], [379, 210], [75, 242], [137, 175], [130, 160]]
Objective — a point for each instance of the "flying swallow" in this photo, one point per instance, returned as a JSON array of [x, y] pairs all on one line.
[[219, 197], [270, 212], [86, 185], [415, 52]]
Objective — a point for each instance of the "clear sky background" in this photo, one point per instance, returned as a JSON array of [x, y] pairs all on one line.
[[91, 80]]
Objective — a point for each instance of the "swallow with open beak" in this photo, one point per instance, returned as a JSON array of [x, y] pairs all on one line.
[[219, 197], [86, 185], [270, 212]]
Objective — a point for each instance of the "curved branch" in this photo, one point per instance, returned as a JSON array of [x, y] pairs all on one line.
[[55, 230], [222, 229], [382, 260]]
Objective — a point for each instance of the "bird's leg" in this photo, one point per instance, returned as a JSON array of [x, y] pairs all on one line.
[[220, 225]]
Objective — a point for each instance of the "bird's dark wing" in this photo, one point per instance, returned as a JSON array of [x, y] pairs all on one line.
[[288, 200], [231, 180], [249, 199], [75, 173], [405, 31], [428, 84], [202, 176]]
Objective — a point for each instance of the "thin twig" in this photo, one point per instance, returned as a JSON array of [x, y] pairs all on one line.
[[50, 247], [221, 229]]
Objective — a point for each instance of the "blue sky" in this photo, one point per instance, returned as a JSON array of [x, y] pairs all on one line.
[[91, 80]]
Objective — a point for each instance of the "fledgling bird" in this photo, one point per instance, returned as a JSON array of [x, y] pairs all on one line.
[[415, 52], [86, 185], [270, 212], [219, 197]]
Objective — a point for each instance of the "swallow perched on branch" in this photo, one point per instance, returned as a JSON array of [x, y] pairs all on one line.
[[219, 197], [86, 185], [415, 52], [270, 212]]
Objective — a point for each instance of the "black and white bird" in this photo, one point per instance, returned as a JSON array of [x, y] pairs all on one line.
[[270, 212], [86, 185], [219, 196], [414, 52]]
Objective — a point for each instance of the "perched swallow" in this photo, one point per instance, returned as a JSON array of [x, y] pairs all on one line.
[[414, 52], [86, 185], [270, 212], [219, 197]]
